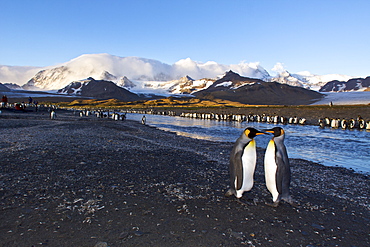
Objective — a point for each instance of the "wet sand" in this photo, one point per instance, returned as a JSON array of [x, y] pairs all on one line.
[[97, 182]]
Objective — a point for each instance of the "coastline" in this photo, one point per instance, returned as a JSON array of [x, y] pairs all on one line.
[[83, 181], [312, 113]]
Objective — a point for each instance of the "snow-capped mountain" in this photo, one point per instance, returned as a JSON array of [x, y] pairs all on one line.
[[232, 80], [234, 87], [114, 68], [98, 89], [356, 84], [186, 85], [231, 86], [141, 75], [304, 79]]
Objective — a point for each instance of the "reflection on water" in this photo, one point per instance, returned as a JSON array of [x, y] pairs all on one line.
[[331, 147]]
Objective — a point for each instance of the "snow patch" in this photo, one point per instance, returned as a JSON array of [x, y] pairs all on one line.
[[225, 84]]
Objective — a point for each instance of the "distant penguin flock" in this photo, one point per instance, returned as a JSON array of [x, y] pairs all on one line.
[[103, 114], [338, 123], [120, 115], [263, 118], [227, 117], [243, 160]]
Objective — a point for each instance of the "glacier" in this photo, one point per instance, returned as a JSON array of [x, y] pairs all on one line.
[[345, 98]]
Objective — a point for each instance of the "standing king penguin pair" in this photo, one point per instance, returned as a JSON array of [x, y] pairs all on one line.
[[243, 159]]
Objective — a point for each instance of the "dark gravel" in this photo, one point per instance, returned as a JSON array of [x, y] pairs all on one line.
[[97, 182]]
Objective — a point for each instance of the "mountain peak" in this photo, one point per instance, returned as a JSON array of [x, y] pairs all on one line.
[[99, 89], [233, 76], [143, 71], [186, 78], [233, 80]]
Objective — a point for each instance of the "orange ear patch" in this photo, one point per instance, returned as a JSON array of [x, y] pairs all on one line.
[[246, 132]]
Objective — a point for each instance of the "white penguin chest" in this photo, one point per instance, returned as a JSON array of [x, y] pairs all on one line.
[[249, 164], [270, 169], [249, 156], [270, 155]]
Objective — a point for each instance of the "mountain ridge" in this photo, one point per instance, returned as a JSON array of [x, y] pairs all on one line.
[[355, 84], [231, 87], [98, 89], [149, 72], [236, 88]]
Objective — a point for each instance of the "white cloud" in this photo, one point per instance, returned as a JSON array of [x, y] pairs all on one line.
[[17, 74], [278, 68]]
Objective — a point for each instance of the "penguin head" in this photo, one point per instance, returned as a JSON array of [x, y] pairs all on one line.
[[252, 132], [277, 131]]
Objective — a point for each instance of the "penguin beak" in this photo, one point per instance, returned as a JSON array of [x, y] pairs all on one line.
[[261, 133], [268, 131]]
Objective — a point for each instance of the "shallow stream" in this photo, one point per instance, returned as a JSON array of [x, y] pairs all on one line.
[[330, 147]]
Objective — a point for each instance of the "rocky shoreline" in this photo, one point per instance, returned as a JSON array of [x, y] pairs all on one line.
[[97, 182]]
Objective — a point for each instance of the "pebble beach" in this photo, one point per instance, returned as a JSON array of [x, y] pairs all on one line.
[[86, 181]]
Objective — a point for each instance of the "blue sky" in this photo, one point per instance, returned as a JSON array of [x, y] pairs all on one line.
[[323, 37]]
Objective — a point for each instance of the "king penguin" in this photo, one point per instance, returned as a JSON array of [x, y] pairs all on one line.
[[277, 168], [52, 114], [242, 163]]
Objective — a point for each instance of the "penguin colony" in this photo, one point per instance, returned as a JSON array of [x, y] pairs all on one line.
[[119, 115], [103, 114], [337, 123], [246, 118], [243, 160], [358, 123]]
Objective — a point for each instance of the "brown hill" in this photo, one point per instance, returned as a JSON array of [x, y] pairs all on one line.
[[99, 89], [234, 87]]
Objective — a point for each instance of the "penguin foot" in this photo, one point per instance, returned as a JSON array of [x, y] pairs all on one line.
[[229, 193], [274, 204], [290, 200], [293, 203]]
